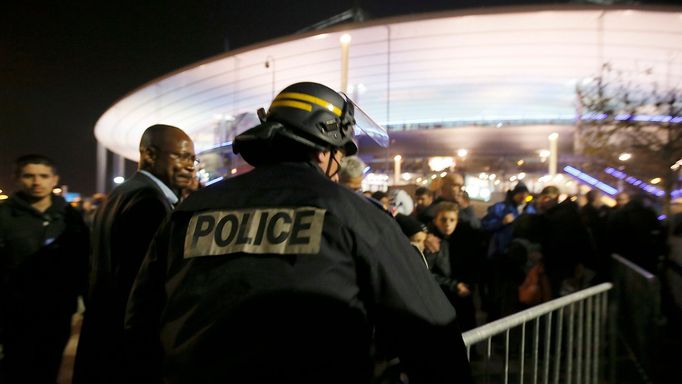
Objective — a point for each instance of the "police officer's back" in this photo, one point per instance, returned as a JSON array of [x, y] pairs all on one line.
[[281, 275]]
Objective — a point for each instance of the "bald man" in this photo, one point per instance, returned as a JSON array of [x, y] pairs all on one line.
[[122, 231]]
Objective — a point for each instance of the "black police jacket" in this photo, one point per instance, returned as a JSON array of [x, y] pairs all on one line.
[[282, 275]]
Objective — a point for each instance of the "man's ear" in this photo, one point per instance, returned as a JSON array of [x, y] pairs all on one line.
[[147, 156]]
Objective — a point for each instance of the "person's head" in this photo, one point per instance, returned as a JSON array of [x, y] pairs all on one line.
[[445, 219], [549, 197], [451, 186], [307, 122], [519, 194], [423, 198], [400, 201], [35, 176], [382, 197], [168, 153], [622, 198], [415, 231], [351, 172], [593, 197]]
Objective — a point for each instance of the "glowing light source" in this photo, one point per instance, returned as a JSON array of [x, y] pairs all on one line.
[[624, 156], [345, 39], [397, 158], [520, 163], [635, 181], [118, 179], [462, 152], [655, 180], [57, 191], [440, 163], [4, 197], [590, 180], [553, 136]]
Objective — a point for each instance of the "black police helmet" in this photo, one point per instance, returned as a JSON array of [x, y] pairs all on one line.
[[310, 114]]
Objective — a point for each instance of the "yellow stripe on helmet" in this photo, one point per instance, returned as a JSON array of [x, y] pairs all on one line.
[[311, 99], [292, 104]]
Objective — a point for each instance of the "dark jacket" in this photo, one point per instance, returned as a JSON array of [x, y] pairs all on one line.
[[124, 227], [636, 234], [565, 243], [280, 274], [43, 263]]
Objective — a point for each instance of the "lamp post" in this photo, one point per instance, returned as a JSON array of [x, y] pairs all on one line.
[[345, 40], [553, 153], [270, 62], [396, 169]]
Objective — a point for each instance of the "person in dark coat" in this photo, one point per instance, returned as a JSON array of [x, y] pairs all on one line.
[[281, 275], [124, 227], [595, 216], [636, 233], [566, 243], [44, 245]]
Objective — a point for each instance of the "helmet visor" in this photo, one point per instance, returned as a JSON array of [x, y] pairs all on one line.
[[367, 125]]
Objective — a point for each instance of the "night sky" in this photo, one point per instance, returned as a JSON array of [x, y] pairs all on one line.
[[63, 63]]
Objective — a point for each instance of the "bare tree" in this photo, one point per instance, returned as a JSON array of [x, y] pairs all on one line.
[[619, 116]]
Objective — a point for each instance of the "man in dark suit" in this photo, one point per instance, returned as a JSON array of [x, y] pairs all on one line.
[[123, 229]]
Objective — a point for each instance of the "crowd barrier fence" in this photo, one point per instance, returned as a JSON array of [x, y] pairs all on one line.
[[637, 308], [564, 344]]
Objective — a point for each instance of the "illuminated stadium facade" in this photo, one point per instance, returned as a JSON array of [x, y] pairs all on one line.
[[495, 82]]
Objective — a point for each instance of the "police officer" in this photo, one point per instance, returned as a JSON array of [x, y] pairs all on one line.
[[282, 275]]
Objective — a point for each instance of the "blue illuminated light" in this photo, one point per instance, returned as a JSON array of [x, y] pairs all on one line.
[[627, 116], [590, 180], [635, 182]]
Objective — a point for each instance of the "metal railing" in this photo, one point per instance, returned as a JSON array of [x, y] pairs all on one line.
[[640, 322], [558, 354]]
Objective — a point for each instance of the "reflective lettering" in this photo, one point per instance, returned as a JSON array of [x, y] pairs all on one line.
[[301, 223], [243, 228], [223, 241], [255, 231], [200, 230], [283, 234], [261, 228]]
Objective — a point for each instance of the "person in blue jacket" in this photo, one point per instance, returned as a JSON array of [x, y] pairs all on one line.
[[498, 224]]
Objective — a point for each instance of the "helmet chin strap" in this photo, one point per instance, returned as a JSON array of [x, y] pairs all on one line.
[[332, 157]]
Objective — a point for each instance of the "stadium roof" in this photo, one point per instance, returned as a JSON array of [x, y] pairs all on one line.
[[477, 72]]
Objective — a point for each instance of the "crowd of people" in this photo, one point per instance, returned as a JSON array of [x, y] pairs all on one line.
[[288, 273], [567, 239]]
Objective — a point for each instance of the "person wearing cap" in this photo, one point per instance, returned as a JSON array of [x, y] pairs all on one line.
[[283, 275]]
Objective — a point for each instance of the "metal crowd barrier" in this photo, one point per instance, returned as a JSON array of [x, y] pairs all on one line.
[[640, 322], [558, 354]]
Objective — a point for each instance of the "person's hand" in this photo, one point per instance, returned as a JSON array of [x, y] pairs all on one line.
[[463, 290], [508, 218], [432, 243]]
